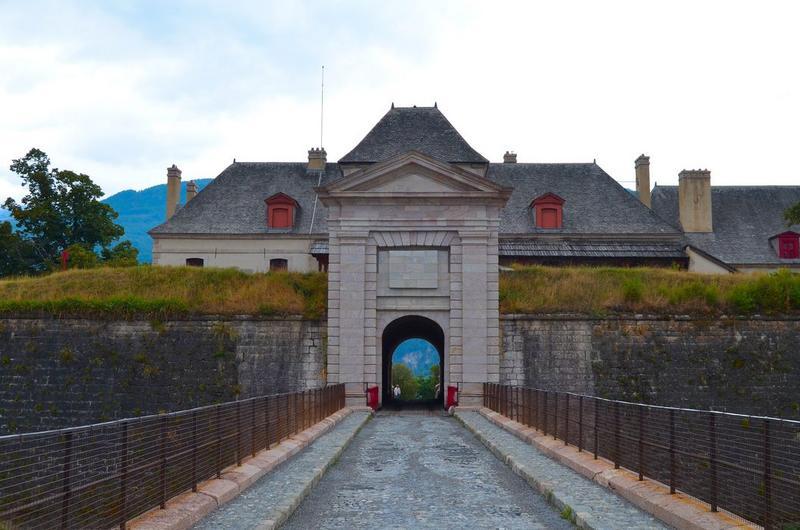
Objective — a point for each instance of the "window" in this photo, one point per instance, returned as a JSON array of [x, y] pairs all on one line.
[[548, 211], [194, 262], [278, 264], [281, 211], [789, 245]]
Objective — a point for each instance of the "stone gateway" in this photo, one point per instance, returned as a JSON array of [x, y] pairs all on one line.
[[413, 236]]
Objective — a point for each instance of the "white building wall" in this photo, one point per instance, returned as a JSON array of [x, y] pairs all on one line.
[[247, 254]]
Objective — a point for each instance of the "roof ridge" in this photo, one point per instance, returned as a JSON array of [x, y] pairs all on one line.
[[505, 164]]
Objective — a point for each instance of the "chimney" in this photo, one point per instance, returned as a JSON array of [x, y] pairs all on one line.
[[642, 165], [510, 157], [173, 189], [317, 159], [694, 200], [191, 190]]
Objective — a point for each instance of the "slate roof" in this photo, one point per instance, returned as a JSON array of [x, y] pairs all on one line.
[[594, 203], [234, 202], [589, 249], [744, 218], [403, 129]]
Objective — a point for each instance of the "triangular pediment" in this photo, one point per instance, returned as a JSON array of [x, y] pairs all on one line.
[[414, 173]]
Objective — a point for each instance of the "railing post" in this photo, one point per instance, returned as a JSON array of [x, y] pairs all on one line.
[[294, 413], [712, 435], [65, 479], [616, 435], [566, 421], [641, 442], [544, 411], [525, 406], [266, 422], [253, 427], [555, 416], [580, 423], [163, 466], [672, 470], [596, 423], [238, 433], [767, 478], [194, 451], [537, 416], [123, 476], [219, 442]]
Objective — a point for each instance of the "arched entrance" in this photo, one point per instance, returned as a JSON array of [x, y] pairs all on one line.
[[413, 335]]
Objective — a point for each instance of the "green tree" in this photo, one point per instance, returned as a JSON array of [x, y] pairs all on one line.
[[402, 375], [123, 254], [16, 254], [62, 209], [792, 215]]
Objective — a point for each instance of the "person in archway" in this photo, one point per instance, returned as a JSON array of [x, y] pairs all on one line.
[[397, 392]]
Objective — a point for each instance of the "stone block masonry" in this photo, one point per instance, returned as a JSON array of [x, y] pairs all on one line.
[[62, 372], [747, 366], [57, 373]]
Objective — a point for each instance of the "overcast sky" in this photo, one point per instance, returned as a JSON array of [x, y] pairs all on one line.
[[121, 90]]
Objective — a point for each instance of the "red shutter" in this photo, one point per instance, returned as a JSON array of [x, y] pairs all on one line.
[[281, 217], [549, 218], [789, 247]]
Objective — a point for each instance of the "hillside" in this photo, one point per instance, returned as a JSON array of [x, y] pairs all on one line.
[[139, 211], [161, 291]]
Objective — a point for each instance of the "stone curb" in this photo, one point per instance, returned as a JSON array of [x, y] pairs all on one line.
[[187, 509], [680, 511]]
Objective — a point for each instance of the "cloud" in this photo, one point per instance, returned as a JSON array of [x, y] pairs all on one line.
[[121, 90]]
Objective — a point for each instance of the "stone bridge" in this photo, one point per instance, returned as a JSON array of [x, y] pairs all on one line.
[[526, 458]]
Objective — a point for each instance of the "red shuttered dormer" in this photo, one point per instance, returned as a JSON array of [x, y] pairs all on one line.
[[548, 211], [789, 245], [281, 210]]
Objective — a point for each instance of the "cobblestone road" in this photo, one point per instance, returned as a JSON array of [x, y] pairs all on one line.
[[416, 471]]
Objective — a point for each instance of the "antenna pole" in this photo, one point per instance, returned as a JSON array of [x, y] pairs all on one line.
[[321, 105]]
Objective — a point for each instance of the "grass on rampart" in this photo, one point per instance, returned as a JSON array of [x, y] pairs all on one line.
[[614, 290], [165, 291], [159, 292]]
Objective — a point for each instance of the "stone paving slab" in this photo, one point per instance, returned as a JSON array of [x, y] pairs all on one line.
[[273, 498], [587, 504], [421, 471]]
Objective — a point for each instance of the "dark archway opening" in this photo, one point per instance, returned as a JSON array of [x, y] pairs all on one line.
[[397, 335]]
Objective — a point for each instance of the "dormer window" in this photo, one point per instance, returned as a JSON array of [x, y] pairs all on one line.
[[548, 211], [281, 211], [789, 245]]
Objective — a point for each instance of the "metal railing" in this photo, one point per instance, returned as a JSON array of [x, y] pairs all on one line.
[[102, 475], [747, 465]]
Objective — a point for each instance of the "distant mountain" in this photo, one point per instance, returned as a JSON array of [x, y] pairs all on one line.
[[139, 211]]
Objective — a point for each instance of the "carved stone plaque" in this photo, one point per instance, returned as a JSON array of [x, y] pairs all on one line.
[[413, 269]]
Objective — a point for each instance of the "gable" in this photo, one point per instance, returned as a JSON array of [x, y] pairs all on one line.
[[413, 173]]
